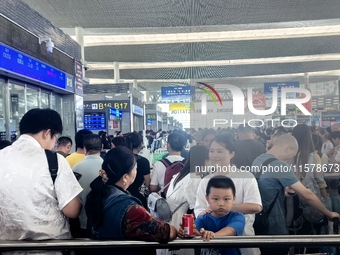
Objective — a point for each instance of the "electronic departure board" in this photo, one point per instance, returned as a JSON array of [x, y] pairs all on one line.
[[21, 64], [95, 121]]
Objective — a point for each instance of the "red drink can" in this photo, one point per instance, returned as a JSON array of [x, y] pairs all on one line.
[[188, 224]]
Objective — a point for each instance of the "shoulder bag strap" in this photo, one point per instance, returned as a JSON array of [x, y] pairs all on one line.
[[273, 203], [266, 163], [166, 162], [176, 209], [52, 160]]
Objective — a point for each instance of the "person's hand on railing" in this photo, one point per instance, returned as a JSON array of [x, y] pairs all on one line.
[[333, 216], [206, 234], [180, 232]]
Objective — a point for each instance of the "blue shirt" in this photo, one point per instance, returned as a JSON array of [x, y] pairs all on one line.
[[271, 182], [234, 220]]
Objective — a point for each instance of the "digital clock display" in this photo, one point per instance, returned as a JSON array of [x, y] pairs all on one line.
[[19, 63]]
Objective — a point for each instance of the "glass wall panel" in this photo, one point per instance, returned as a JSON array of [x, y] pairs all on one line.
[[17, 105], [45, 100], [32, 98], [56, 103]]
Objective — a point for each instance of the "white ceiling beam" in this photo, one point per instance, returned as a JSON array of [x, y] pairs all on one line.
[[241, 35], [233, 62], [94, 81]]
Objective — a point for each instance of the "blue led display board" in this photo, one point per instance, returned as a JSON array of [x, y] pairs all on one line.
[[95, 121], [177, 94], [21, 64], [115, 114]]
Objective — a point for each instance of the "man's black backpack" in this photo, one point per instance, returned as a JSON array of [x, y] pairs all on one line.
[[261, 223]]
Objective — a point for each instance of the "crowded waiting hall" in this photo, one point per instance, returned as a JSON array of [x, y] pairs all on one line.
[[187, 127]]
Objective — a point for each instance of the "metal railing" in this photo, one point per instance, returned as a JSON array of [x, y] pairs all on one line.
[[197, 242]]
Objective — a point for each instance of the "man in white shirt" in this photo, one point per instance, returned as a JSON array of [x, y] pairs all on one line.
[[176, 142], [89, 169], [32, 207]]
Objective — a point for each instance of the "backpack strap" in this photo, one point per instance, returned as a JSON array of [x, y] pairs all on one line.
[[273, 203], [266, 163], [52, 160], [166, 162]]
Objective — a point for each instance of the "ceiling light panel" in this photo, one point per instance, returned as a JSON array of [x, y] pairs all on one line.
[[259, 34], [255, 61]]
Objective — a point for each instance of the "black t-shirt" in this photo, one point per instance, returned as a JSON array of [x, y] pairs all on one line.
[[246, 151], [143, 168]]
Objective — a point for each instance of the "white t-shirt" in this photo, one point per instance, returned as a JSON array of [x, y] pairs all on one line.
[[30, 205], [175, 197], [158, 172], [247, 191]]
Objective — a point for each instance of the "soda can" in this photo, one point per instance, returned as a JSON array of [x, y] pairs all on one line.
[[188, 225]]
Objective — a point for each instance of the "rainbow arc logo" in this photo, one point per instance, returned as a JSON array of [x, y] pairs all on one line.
[[210, 91]]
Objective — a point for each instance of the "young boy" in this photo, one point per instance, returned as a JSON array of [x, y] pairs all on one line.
[[221, 221]]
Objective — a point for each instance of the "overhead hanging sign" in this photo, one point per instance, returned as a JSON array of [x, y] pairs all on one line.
[[268, 90], [137, 110], [179, 94]]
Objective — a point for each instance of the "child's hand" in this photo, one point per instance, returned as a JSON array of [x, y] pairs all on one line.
[[180, 232], [206, 234]]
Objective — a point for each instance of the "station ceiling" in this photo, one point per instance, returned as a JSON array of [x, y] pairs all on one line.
[[241, 42]]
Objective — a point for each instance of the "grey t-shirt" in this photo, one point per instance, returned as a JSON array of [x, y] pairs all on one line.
[[278, 176]]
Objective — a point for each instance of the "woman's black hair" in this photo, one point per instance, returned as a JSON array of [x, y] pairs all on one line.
[[118, 141], [303, 136], [208, 132], [134, 140], [198, 154], [106, 142], [117, 162], [226, 140]]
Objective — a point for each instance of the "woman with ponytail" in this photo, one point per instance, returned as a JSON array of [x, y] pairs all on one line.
[[113, 214]]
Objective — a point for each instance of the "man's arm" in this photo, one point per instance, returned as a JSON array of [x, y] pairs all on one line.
[[72, 209], [247, 208], [312, 200], [251, 197]]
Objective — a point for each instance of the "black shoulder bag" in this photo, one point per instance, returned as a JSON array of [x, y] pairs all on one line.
[[261, 223], [52, 160]]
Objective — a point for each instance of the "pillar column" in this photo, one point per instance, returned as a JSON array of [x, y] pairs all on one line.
[[135, 85], [306, 81], [80, 41], [116, 72]]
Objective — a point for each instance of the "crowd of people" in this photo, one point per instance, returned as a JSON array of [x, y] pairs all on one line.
[[101, 190]]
